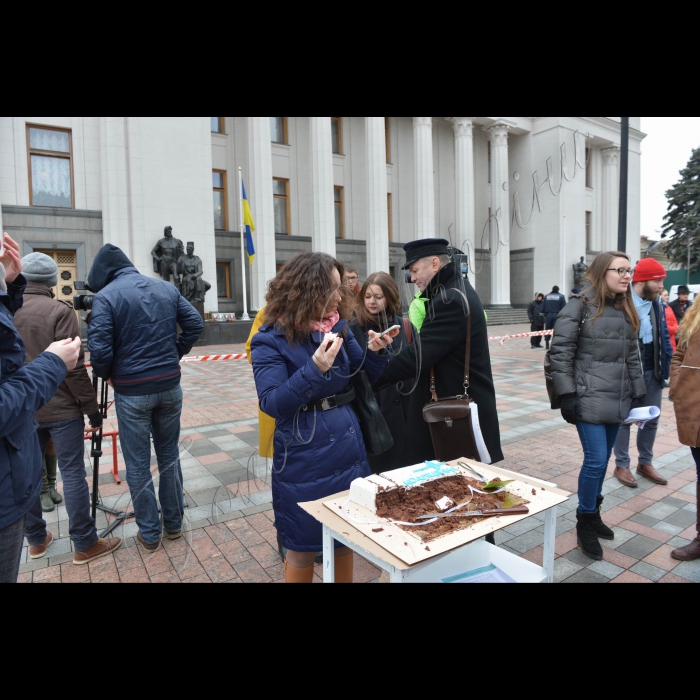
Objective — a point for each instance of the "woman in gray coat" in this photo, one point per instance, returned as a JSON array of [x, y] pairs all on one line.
[[597, 372]]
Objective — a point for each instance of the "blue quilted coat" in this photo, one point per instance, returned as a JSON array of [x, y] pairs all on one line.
[[317, 454]]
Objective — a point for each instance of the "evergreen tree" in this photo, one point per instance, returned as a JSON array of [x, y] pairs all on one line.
[[683, 218]]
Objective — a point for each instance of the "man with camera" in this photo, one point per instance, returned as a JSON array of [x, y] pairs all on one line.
[[134, 344], [41, 321], [24, 389]]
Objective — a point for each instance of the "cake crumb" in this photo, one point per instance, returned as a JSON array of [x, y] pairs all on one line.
[[534, 493], [378, 531], [427, 549]]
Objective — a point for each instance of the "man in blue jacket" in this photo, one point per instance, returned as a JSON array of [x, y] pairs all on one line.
[[134, 344], [552, 305], [23, 391]]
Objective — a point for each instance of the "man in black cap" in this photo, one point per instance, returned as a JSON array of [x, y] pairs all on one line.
[[551, 306], [442, 342], [682, 304]]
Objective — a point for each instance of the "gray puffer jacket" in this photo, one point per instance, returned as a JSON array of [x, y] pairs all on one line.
[[597, 361]]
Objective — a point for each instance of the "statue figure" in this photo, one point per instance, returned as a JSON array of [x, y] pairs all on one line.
[[166, 255], [191, 284], [580, 270]]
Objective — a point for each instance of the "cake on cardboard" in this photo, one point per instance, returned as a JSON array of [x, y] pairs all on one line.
[[405, 495]]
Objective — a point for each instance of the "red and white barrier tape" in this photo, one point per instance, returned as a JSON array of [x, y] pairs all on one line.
[[538, 334]]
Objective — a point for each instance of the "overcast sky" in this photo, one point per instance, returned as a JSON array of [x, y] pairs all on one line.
[[665, 152]]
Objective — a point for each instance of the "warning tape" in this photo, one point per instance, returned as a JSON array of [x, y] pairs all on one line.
[[538, 334], [214, 358]]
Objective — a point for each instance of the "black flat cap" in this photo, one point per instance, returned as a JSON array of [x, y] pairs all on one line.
[[427, 248]]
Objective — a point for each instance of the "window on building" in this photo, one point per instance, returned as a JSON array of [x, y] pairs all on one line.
[[50, 167], [337, 135], [223, 280], [589, 169], [66, 260], [220, 200], [391, 218], [589, 230], [489, 162], [281, 194], [278, 129], [339, 212], [387, 130], [218, 125]]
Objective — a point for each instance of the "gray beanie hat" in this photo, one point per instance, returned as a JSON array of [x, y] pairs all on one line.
[[40, 268]]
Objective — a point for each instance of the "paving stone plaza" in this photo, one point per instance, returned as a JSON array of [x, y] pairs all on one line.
[[229, 530]]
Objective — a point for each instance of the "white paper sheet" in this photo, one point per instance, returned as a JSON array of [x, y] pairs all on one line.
[[641, 416]]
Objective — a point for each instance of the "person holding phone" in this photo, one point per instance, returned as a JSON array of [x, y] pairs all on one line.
[[303, 358], [378, 308]]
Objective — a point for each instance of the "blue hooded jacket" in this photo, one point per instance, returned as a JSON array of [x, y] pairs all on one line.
[[133, 336], [23, 391]]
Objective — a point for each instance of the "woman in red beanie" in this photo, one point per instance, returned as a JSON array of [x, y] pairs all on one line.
[[656, 352]]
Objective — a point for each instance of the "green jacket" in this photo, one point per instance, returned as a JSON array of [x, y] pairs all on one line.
[[418, 311]]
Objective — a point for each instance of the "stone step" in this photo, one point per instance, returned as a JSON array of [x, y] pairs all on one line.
[[507, 317]]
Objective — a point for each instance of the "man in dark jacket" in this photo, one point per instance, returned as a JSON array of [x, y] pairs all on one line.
[[23, 390], [134, 343], [551, 306], [656, 353], [536, 320], [443, 341], [681, 305], [41, 321]]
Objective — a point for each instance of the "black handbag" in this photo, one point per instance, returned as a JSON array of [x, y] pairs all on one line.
[[450, 420]]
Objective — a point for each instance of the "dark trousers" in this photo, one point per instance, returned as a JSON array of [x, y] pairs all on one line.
[[696, 455], [549, 326], [69, 440], [11, 541], [536, 341]]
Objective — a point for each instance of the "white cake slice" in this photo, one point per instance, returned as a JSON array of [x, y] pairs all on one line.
[[364, 492]]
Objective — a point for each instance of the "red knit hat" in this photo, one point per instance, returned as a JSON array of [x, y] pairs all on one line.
[[649, 269]]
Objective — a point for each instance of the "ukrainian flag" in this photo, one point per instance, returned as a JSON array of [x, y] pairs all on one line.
[[249, 226]]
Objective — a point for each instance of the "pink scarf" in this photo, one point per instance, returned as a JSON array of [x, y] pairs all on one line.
[[327, 325]]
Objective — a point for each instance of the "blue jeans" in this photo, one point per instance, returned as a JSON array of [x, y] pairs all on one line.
[[647, 437], [11, 541], [141, 417], [696, 456], [598, 442], [69, 440]]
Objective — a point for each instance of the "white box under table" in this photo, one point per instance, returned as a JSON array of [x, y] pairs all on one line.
[[472, 553]]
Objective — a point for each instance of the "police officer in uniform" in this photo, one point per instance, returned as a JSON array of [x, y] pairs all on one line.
[[552, 305]]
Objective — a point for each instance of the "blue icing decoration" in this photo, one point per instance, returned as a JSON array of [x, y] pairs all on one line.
[[431, 471]]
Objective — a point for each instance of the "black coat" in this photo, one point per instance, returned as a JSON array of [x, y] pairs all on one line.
[[442, 342], [394, 404], [678, 310], [533, 313]]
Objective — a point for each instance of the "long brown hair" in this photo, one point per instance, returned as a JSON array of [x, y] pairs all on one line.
[[599, 292], [302, 292], [392, 306], [690, 325]]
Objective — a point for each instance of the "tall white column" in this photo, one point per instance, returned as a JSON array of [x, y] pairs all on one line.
[[611, 197], [322, 184], [464, 182], [500, 209], [262, 207], [424, 178], [377, 202]]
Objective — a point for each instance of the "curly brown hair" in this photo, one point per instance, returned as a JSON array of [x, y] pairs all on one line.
[[391, 294], [301, 293]]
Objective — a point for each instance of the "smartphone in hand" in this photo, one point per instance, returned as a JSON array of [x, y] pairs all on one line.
[[388, 331]]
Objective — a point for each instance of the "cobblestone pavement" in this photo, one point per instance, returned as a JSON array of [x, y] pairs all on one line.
[[229, 531]]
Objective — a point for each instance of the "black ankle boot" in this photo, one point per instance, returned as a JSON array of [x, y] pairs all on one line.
[[587, 531], [604, 532]]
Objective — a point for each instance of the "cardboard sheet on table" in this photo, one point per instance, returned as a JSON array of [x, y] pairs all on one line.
[[411, 550]]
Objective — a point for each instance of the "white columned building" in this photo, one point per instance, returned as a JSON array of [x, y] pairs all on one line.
[[465, 204], [424, 175], [377, 192], [611, 197], [500, 211], [262, 208], [322, 185]]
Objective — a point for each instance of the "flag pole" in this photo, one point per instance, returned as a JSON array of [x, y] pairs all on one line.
[[245, 316]]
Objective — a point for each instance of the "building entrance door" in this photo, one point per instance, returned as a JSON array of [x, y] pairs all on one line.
[[67, 273]]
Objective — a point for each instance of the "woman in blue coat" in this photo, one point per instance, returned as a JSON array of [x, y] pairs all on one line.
[[303, 378]]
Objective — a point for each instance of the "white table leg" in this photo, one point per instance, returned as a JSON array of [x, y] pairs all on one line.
[[395, 575], [328, 556], [550, 538]]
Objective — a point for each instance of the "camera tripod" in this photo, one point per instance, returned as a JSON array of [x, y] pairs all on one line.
[[96, 453]]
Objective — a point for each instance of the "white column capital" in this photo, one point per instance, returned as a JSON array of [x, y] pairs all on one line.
[[499, 134], [463, 126], [611, 155], [423, 121]]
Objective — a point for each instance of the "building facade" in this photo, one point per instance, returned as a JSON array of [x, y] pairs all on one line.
[[524, 197]]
